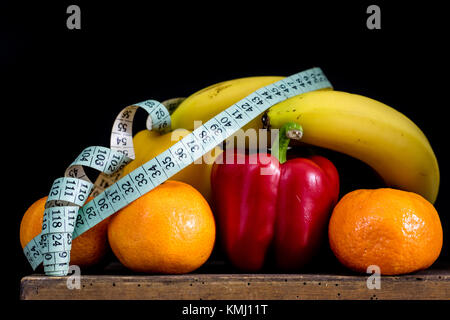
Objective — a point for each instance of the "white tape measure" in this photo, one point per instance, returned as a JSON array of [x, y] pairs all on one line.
[[67, 216]]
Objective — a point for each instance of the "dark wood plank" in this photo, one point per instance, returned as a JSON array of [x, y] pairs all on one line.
[[425, 285]]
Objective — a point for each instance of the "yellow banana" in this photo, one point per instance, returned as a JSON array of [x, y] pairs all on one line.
[[367, 130], [208, 102]]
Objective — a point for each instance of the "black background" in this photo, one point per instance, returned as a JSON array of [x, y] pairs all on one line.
[[62, 88]]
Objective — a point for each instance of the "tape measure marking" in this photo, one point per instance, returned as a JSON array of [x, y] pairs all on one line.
[[67, 216]]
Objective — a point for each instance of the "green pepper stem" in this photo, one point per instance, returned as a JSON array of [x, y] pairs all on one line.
[[288, 131]]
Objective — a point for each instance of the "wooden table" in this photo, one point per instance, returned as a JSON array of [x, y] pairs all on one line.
[[431, 284]]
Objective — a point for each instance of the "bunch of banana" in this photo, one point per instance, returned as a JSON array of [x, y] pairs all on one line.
[[358, 126]]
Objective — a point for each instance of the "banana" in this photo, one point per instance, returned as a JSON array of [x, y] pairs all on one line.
[[208, 102], [365, 129]]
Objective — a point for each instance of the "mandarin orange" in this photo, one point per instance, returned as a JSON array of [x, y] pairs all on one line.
[[396, 230], [88, 249], [168, 230]]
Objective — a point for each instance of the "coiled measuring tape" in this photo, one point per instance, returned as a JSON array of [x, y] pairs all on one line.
[[66, 215]]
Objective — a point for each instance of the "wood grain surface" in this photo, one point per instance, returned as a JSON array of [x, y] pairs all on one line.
[[432, 284]]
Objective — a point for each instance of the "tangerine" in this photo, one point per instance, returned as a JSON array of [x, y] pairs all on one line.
[[398, 231], [88, 249], [168, 230]]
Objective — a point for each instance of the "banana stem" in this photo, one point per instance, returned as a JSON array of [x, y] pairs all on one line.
[[288, 131]]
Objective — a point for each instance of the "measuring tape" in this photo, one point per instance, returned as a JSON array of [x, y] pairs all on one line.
[[66, 215]]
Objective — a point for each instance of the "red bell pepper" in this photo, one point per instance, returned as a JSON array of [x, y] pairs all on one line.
[[287, 208]]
